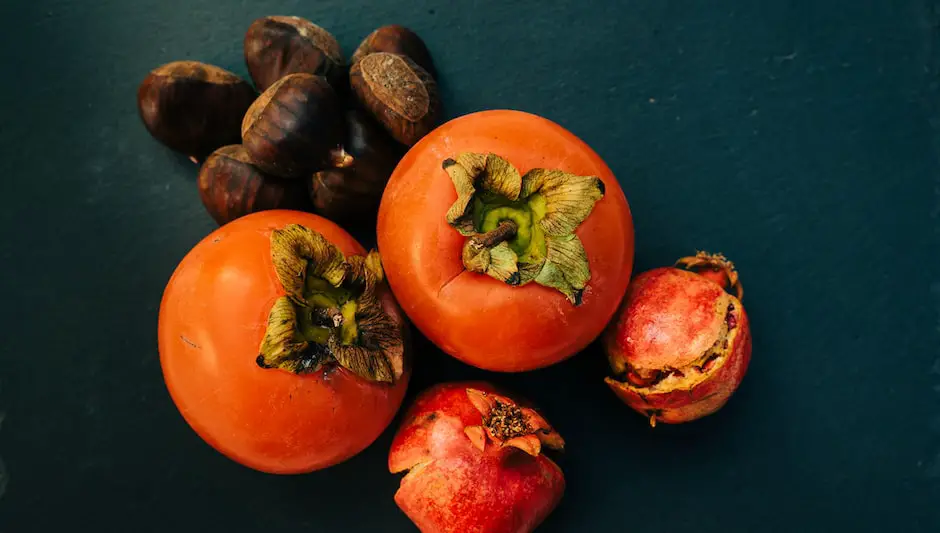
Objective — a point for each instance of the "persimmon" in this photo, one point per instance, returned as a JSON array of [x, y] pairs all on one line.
[[280, 343], [506, 240]]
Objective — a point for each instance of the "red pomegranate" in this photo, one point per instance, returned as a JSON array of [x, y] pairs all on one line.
[[680, 343], [474, 462]]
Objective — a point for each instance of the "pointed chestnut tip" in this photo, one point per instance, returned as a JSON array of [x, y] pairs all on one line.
[[477, 436], [340, 158]]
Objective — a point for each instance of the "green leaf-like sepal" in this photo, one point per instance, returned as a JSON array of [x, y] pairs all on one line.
[[566, 267], [294, 248], [283, 346], [552, 255], [569, 198], [332, 312]]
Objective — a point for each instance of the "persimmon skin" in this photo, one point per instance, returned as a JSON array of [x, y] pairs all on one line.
[[212, 320], [474, 318]]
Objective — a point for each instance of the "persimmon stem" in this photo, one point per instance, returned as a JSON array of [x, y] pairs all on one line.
[[327, 316], [503, 232], [476, 253]]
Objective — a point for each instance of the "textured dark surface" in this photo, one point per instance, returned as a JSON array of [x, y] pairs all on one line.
[[800, 138]]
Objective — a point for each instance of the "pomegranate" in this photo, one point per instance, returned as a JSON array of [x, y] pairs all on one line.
[[474, 462], [680, 343]]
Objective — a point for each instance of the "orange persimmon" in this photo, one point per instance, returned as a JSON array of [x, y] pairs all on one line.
[[280, 343], [506, 240]]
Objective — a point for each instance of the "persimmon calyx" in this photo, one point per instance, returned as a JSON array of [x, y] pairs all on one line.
[[332, 312], [505, 423], [715, 267], [520, 228]]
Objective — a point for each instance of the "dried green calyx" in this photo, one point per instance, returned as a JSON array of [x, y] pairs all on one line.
[[520, 228], [332, 312]]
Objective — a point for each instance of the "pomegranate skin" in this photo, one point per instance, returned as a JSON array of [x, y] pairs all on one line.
[[679, 346], [452, 486]]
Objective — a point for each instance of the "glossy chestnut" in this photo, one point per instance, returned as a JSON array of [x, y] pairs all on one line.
[[350, 190], [401, 95], [193, 107], [231, 186], [292, 127]]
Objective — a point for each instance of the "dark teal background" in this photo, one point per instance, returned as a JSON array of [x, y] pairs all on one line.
[[800, 138]]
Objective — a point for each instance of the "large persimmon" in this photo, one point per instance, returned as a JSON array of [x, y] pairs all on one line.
[[281, 344], [506, 240]]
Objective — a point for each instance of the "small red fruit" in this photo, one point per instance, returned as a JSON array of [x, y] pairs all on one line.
[[474, 463], [680, 344]]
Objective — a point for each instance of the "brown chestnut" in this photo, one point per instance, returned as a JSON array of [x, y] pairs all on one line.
[[400, 40], [231, 186], [278, 46], [401, 95], [291, 128], [349, 192], [193, 107]]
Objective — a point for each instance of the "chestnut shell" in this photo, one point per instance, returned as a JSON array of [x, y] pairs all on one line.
[[193, 107], [396, 39], [291, 128], [278, 46], [402, 96], [351, 190], [231, 186]]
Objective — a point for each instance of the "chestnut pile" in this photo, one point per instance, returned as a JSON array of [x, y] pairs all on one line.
[[322, 136]]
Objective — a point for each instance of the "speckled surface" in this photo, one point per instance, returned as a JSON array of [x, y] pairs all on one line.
[[800, 138]]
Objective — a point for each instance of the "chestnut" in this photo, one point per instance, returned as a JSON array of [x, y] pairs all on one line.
[[400, 40], [349, 192], [193, 107], [291, 128], [278, 46], [231, 186], [401, 95]]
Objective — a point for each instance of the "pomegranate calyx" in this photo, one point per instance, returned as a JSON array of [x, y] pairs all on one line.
[[505, 423], [715, 267], [477, 436], [530, 444]]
